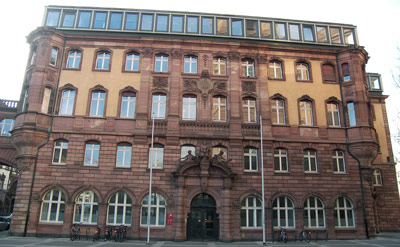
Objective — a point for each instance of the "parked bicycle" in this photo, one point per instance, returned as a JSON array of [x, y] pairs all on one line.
[[283, 235], [108, 232], [75, 232], [305, 235], [96, 235]]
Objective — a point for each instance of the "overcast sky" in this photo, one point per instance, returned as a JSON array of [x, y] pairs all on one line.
[[377, 23]]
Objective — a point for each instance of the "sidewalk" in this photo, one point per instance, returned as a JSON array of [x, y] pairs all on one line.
[[387, 239]]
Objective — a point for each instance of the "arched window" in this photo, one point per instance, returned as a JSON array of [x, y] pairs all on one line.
[[119, 209], [249, 110], [219, 108], [6, 125], [306, 112], [157, 210], [250, 159], [250, 212], [247, 68], [333, 114], [343, 213], [275, 70], [302, 71], [278, 111], [86, 208], [217, 149], [314, 212], [103, 60], [53, 205], [339, 165], [219, 66], [283, 212]]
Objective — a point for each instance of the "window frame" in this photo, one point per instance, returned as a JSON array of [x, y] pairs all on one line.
[[53, 56], [219, 108], [190, 63], [351, 114], [307, 69], [158, 159], [248, 154], [130, 101], [278, 155], [245, 67], [59, 204], [377, 177], [93, 204], [160, 104], [4, 123], [116, 204], [186, 115], [310, 155], [217, 64], [105, 60], [286, 208], [271, 66], [75, 60], [343, 211], [157, 206], [68, 100], [62, 147], [308, 216], [90, 150], [126, 149], [134, 61], [248, 104], [325, 78], [254, 210], [278, 109], [346, 74], [46, 100], [304, 110], [333, 114], [98, 100], [161, 59], [337, 156]]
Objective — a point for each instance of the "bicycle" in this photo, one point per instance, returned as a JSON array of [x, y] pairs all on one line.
[[108, 231], [283, 235], [96, 235], [305, 235], [75, 232]]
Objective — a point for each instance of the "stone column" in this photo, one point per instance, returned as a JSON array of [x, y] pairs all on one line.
[[180, 217], [226, 217]]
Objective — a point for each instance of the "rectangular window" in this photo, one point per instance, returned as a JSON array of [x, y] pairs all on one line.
[[177, 24], [159, 106], [219, 108], [161, 64], [249, 110], [280, 160], [92, 152], [266, 30], [156, 157], [67, 102], [275, 70], [162, 23], [306, 117], [97, 104], [222, 26], [322, 34], [52, 17], [237, 27], [147, 22], [280, 30], [100, 19], [53, 56], [131, 21], [84, 19], [251, 28], [60, 152], [192, 24], [46, 100], [250, 159], [132, 62], [352, 114], [190, 65], [124, 156], [278, 111], [310, 161], [348, 36], [103, 61], [207, 25], [115, 21], [68, 18], [346, 72], [219, 65], [294, 31], [128, 106], [308, 32], [74, 60], [189, 108], [247, 68], [333, 115], [6, 125], [336, 37], [338, 161]]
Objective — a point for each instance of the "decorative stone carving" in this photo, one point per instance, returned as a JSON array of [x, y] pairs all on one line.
[[176, 54], [190, 84], [160, 82], [234, 56], [249, 86], [205, 61], [147, 53], [349, 92], [262, 59]]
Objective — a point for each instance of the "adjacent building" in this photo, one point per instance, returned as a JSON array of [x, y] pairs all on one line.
[[96, 79]]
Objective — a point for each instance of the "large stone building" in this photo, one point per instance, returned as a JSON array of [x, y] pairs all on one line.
[[95, 77]]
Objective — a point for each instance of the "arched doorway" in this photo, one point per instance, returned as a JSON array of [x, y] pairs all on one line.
[[203, 223]]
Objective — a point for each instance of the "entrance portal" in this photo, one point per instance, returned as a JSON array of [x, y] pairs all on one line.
[[203, 223]]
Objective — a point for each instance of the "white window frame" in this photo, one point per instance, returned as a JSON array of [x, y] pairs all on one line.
[[190, 61], [158, 206], [337, 156], [189, 105], [92, 148], [76, 59], [220, 107], [377, 177], [134, 59], [251, 211], [101, 59], [53, 56], [62, 146], [278, 153], [310, 155], [217, 63], [53, 203], [286, 210], [70, 101], [92, 203], [5, 124], [333, 114], [125, 206], [345, 209], [248, 66], [302, 72], [316, 209], [279, 110], [249, 104], [275, 65], [130, 102], [161, 60], [98, 98], [126, 151], [306, 107], [159, 106], [249, 155], [156, 157]]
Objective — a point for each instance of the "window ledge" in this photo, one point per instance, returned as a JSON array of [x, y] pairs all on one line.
[[67, 116], [95, 117], [72, 69], [243, 228], [312, 173], [250, 171], [281, 173], [122, 168], [91, 166], [276, 79], [59, 164], [219, 76], [191, 75], [101, 70], [160, 73], [340, 173], [153, 227], [131, 71], [334, 127], [51, 223], [248, 77], [308, 126], [281, 125]]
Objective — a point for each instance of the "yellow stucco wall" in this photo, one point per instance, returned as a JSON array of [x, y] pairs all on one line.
[[113, 81], [292, 90], [379, 125]]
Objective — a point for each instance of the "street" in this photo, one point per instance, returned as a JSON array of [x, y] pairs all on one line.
[[383, 239]]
